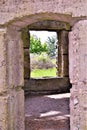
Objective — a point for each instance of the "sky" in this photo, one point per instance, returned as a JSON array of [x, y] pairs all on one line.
[[43, 35]]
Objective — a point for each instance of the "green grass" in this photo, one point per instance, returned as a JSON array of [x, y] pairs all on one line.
[[37, 73]]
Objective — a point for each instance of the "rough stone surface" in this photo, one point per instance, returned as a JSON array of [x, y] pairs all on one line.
[[26, 64], [15, 58], [18, 9], [26, 44], [63, 60], [4, 118], [78, 52], [3, 61], [11, 81], [16, 109], [47, 85], [78, 75], [15, 15], [49, 25]]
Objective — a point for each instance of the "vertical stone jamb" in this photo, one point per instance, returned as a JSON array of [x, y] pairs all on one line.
[[63, 70], [15, 79], [78, 76], [4, 113], [26, 45]]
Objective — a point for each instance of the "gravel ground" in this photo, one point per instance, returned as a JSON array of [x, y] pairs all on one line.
[[48, 112]]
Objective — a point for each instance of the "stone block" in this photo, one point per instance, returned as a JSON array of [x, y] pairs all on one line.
[[50, 25], [20, 115], [25, 35], [63, 54], [16, 109], [3, 74], [74, 110], [65, 66], [78, 107], [83, 109], [26, 64], [4, 113], [47, 85], [78, 52], [63, 41], [15, 58]]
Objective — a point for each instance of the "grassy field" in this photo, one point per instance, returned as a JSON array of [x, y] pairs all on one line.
[[37, 73]]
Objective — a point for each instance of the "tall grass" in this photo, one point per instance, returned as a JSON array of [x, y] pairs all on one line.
[[37, 73]]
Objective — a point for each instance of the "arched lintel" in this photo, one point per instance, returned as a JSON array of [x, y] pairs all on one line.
[[19, 23]]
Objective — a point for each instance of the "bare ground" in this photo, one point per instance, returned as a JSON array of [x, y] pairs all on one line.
[[48, 112]]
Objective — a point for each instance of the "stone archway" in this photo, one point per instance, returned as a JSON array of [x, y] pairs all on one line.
[[11, 69]]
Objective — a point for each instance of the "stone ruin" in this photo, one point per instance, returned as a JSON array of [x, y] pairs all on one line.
[[69, 20]]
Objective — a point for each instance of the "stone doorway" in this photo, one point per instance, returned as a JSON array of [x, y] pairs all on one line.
[[12, 71], [47, 86]]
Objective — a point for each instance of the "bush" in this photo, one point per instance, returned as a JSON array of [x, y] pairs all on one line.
[[41, 61]]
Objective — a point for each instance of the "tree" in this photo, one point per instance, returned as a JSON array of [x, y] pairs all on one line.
[[51, 45], [36, 46]]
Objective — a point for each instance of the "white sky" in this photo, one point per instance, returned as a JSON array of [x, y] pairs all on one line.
[[43, 34]]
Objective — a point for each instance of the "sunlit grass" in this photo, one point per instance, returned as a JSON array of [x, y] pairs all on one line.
[[37, 73]]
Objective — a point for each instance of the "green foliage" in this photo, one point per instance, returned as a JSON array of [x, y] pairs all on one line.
[[51, 45], [36, 46]]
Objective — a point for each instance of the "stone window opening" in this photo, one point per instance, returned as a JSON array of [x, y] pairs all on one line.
[[62, 63]]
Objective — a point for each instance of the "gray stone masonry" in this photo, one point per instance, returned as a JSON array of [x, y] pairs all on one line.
[[14, 16]]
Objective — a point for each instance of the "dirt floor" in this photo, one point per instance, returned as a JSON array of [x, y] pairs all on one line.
[[48, 112]]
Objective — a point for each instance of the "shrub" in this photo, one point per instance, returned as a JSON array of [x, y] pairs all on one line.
[[41, 61]]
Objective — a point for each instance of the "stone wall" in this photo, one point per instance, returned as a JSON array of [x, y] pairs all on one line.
[[47, 85], [11, 81], [16, 14], [63, 10], [63, 55], [78, 75], [25, 35]]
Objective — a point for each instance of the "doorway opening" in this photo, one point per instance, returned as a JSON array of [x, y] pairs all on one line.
[[44, 95]]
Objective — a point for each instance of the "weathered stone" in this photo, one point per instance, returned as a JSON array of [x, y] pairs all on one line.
[[65, 66], [79, 109], [63, 62], [16, 109], [47, 85], [64, 41], [47, 10], [26, 64], [4, 113], [50, 25], [75, 110], [78, 75], [78, 52], [3, 75], [25, 35], [15, 58], [26, 44], [15, 15]]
